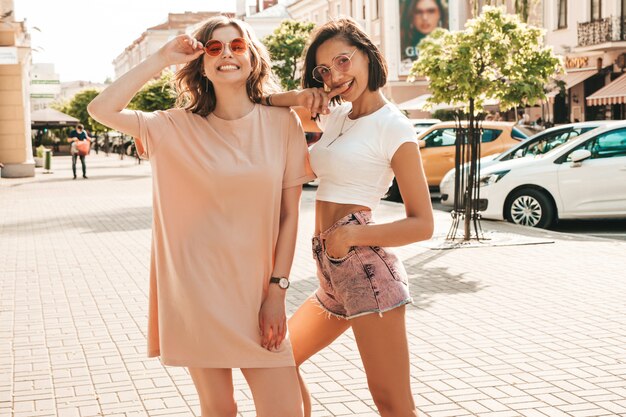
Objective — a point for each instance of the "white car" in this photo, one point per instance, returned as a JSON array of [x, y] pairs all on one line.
[[538, 144], [584, 178]]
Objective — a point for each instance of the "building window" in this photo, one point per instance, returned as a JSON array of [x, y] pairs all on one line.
[[596, 10], [363, 16], [377, 9], [351, 9], [563, 14]]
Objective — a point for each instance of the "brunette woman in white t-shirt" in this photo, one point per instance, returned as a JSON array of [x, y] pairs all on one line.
[[366, 141]]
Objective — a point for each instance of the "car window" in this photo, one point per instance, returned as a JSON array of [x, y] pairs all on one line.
[[518, 134], [489, 135], [440, 137], [545, 143], [607, 145]]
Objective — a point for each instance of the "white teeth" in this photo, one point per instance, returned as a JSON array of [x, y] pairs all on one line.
[[228, 67]]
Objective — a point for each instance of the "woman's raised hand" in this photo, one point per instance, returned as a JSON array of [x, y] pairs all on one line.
[[316, 100], [181, 49]]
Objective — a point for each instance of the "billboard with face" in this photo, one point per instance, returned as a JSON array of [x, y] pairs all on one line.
[[418, 18]]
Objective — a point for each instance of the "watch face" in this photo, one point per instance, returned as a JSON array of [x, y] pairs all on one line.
[[283, 283]]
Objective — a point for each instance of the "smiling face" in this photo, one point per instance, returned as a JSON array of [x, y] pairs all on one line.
[[426, 16], [355, 78], [227, 67]]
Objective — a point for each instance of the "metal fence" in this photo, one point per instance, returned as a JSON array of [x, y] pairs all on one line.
[[609, 29]]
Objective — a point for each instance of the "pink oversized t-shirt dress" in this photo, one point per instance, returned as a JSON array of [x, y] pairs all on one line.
[[217, 187]]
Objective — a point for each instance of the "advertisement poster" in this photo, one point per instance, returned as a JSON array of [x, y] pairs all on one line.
[[418, 18]]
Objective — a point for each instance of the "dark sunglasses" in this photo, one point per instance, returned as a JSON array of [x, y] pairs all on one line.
[[238, 46]]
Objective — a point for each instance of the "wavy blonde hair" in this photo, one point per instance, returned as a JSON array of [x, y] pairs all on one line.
[[196, 92]]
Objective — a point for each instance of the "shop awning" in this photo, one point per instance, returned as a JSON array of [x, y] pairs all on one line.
[[571, 79], [51, 118], [612, 93]]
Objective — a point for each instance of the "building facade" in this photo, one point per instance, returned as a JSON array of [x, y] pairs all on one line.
[[591, 37], [16, 152], [390, 24], [45, 86]]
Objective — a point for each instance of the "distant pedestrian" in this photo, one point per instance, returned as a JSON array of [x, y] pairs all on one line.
[[80, 143], [107, 143]]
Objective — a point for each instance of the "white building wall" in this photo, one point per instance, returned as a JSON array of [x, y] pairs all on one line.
[[45, 86]]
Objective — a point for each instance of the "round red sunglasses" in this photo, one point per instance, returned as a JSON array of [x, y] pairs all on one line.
[[214, 47]]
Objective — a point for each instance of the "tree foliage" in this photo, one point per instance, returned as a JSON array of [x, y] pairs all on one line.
[[158, 94], [77, 107], [286, 45], [495, 57]]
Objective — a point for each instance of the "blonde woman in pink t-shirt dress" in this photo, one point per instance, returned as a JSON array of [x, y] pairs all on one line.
[[227, 175], [366, 141]]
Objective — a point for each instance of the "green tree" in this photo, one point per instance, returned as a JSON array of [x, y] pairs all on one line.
[[285, 46], [495, 57], [77, 107], [157, 94]]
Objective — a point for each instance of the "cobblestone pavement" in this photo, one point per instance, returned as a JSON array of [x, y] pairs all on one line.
[[518, 330]]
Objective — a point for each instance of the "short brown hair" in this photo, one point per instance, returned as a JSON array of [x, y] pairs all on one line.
[[80, 126], [196, 92], [348, 30]]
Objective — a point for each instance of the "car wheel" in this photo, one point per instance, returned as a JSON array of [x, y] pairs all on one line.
[[530, 207], [394, 193]]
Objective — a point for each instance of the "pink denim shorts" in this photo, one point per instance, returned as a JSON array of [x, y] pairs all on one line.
[[369, 279]]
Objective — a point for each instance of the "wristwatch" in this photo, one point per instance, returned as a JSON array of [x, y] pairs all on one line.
[[281, 281]]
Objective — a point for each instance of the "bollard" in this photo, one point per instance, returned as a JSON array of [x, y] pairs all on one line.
[[47, 161]]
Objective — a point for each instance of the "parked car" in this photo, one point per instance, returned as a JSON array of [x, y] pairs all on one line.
[[584, 178], [438, 150], [422, 125], [538, 144]]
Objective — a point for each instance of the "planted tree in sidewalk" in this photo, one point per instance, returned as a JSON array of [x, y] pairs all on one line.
[[495, 57], [285, 46]]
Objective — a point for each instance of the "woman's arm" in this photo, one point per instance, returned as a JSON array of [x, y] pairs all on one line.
[[272, 317], [418, 224], [309, 102], [109, 106]]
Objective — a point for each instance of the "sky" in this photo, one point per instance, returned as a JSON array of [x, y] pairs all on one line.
[[82, 37]]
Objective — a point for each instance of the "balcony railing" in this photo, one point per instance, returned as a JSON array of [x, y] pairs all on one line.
[[609, 29]]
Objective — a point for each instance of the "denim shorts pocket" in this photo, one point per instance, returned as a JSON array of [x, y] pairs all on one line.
[[335, 261], [391, 261]]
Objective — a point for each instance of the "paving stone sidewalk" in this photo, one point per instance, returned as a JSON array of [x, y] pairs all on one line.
[[521, 330]]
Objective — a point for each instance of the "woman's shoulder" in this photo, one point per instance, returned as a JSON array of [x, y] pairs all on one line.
[[394, 121]]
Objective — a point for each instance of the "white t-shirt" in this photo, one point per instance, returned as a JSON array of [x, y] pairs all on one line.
[[355, 168]]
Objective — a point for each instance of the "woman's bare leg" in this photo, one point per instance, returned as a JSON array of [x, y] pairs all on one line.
[[384, 349], [215, 390], [311, 330], [275, 391]]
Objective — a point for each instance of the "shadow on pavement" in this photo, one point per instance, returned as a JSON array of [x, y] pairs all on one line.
[[80, 178], [131, 219], [426, 282]]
